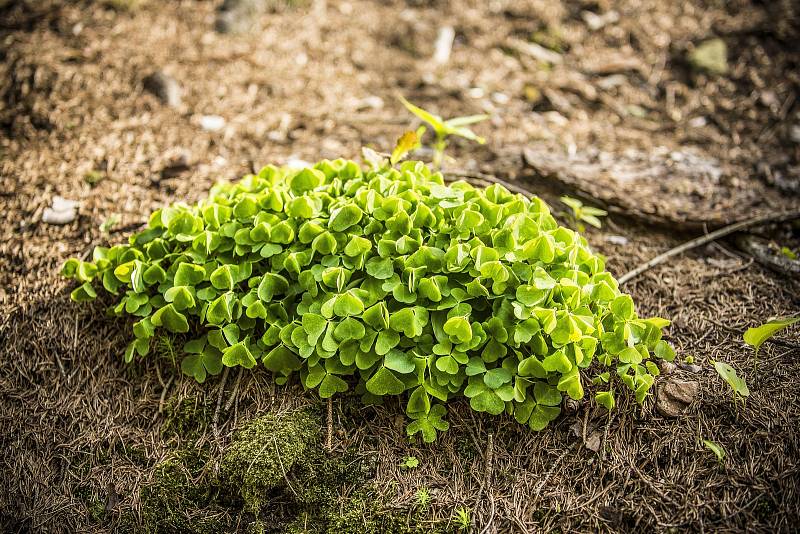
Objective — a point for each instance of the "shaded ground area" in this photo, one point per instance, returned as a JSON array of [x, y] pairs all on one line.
[[608, 110]]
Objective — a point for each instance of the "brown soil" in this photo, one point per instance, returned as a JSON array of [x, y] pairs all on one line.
[[623, 119]]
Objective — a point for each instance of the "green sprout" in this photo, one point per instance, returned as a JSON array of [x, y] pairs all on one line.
[[462, 518], [110, 223], [737, 384], [384, 281], [756, 336], [583, 214], [410, 462], [94, 177], [443, 129], [716, 448], [422, 497]]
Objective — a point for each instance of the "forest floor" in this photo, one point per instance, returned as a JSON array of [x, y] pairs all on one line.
[[602, 100]]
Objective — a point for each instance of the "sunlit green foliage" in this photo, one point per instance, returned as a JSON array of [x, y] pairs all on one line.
[[582, 213], [385, 281], [756, 336], [444, 128], [716, 448], [410, 462], [462, 518], [729, 375]]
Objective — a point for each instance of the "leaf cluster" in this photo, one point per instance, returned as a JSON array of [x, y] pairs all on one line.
[[386, 282]]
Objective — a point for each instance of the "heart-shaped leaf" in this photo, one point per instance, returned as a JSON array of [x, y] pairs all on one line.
[[238, 354], [384, 382], [171, 319]]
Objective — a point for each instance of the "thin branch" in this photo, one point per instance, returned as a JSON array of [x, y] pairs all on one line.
[[487, 478], [550, 472], [329, 435], [220, 394], [708, 238], [490, 522], [233, 397]]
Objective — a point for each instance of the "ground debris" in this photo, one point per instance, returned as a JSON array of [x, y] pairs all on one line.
[[675, 396], [710, 56], [768, 254], [238, 16], [61, 211], [165, 88]]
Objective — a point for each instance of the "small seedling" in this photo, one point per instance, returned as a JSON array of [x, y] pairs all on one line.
[[443, 129], [422, 497], [405, 144], [737, 384], [410, 462], [109, 224], [408, 141], [583, 214], [789, 253], [756, 336], [462, 518], [716, 448], [94, 177]]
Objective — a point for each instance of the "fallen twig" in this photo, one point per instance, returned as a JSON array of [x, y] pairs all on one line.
[[487, 478], [233, 397], [550, 472], [220, 394], [487, 468], [490, 522], [163, 397], [708, 238], [329, 435]]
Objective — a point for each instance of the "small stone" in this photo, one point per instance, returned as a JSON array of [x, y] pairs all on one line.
[[238, 16], [369, 102], [675, 396], [692, 368], [596, 22], [666, 368], [500, 98], [594, 435], [620, 240], [399, 421], [770, 99], [697, 122], [165, 88], [794, 133], [212, 123], [710, 56], [61, 211], [444, 45]]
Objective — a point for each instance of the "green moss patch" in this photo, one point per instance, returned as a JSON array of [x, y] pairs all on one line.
[[262, 454], [181, 497], [273, 477]]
